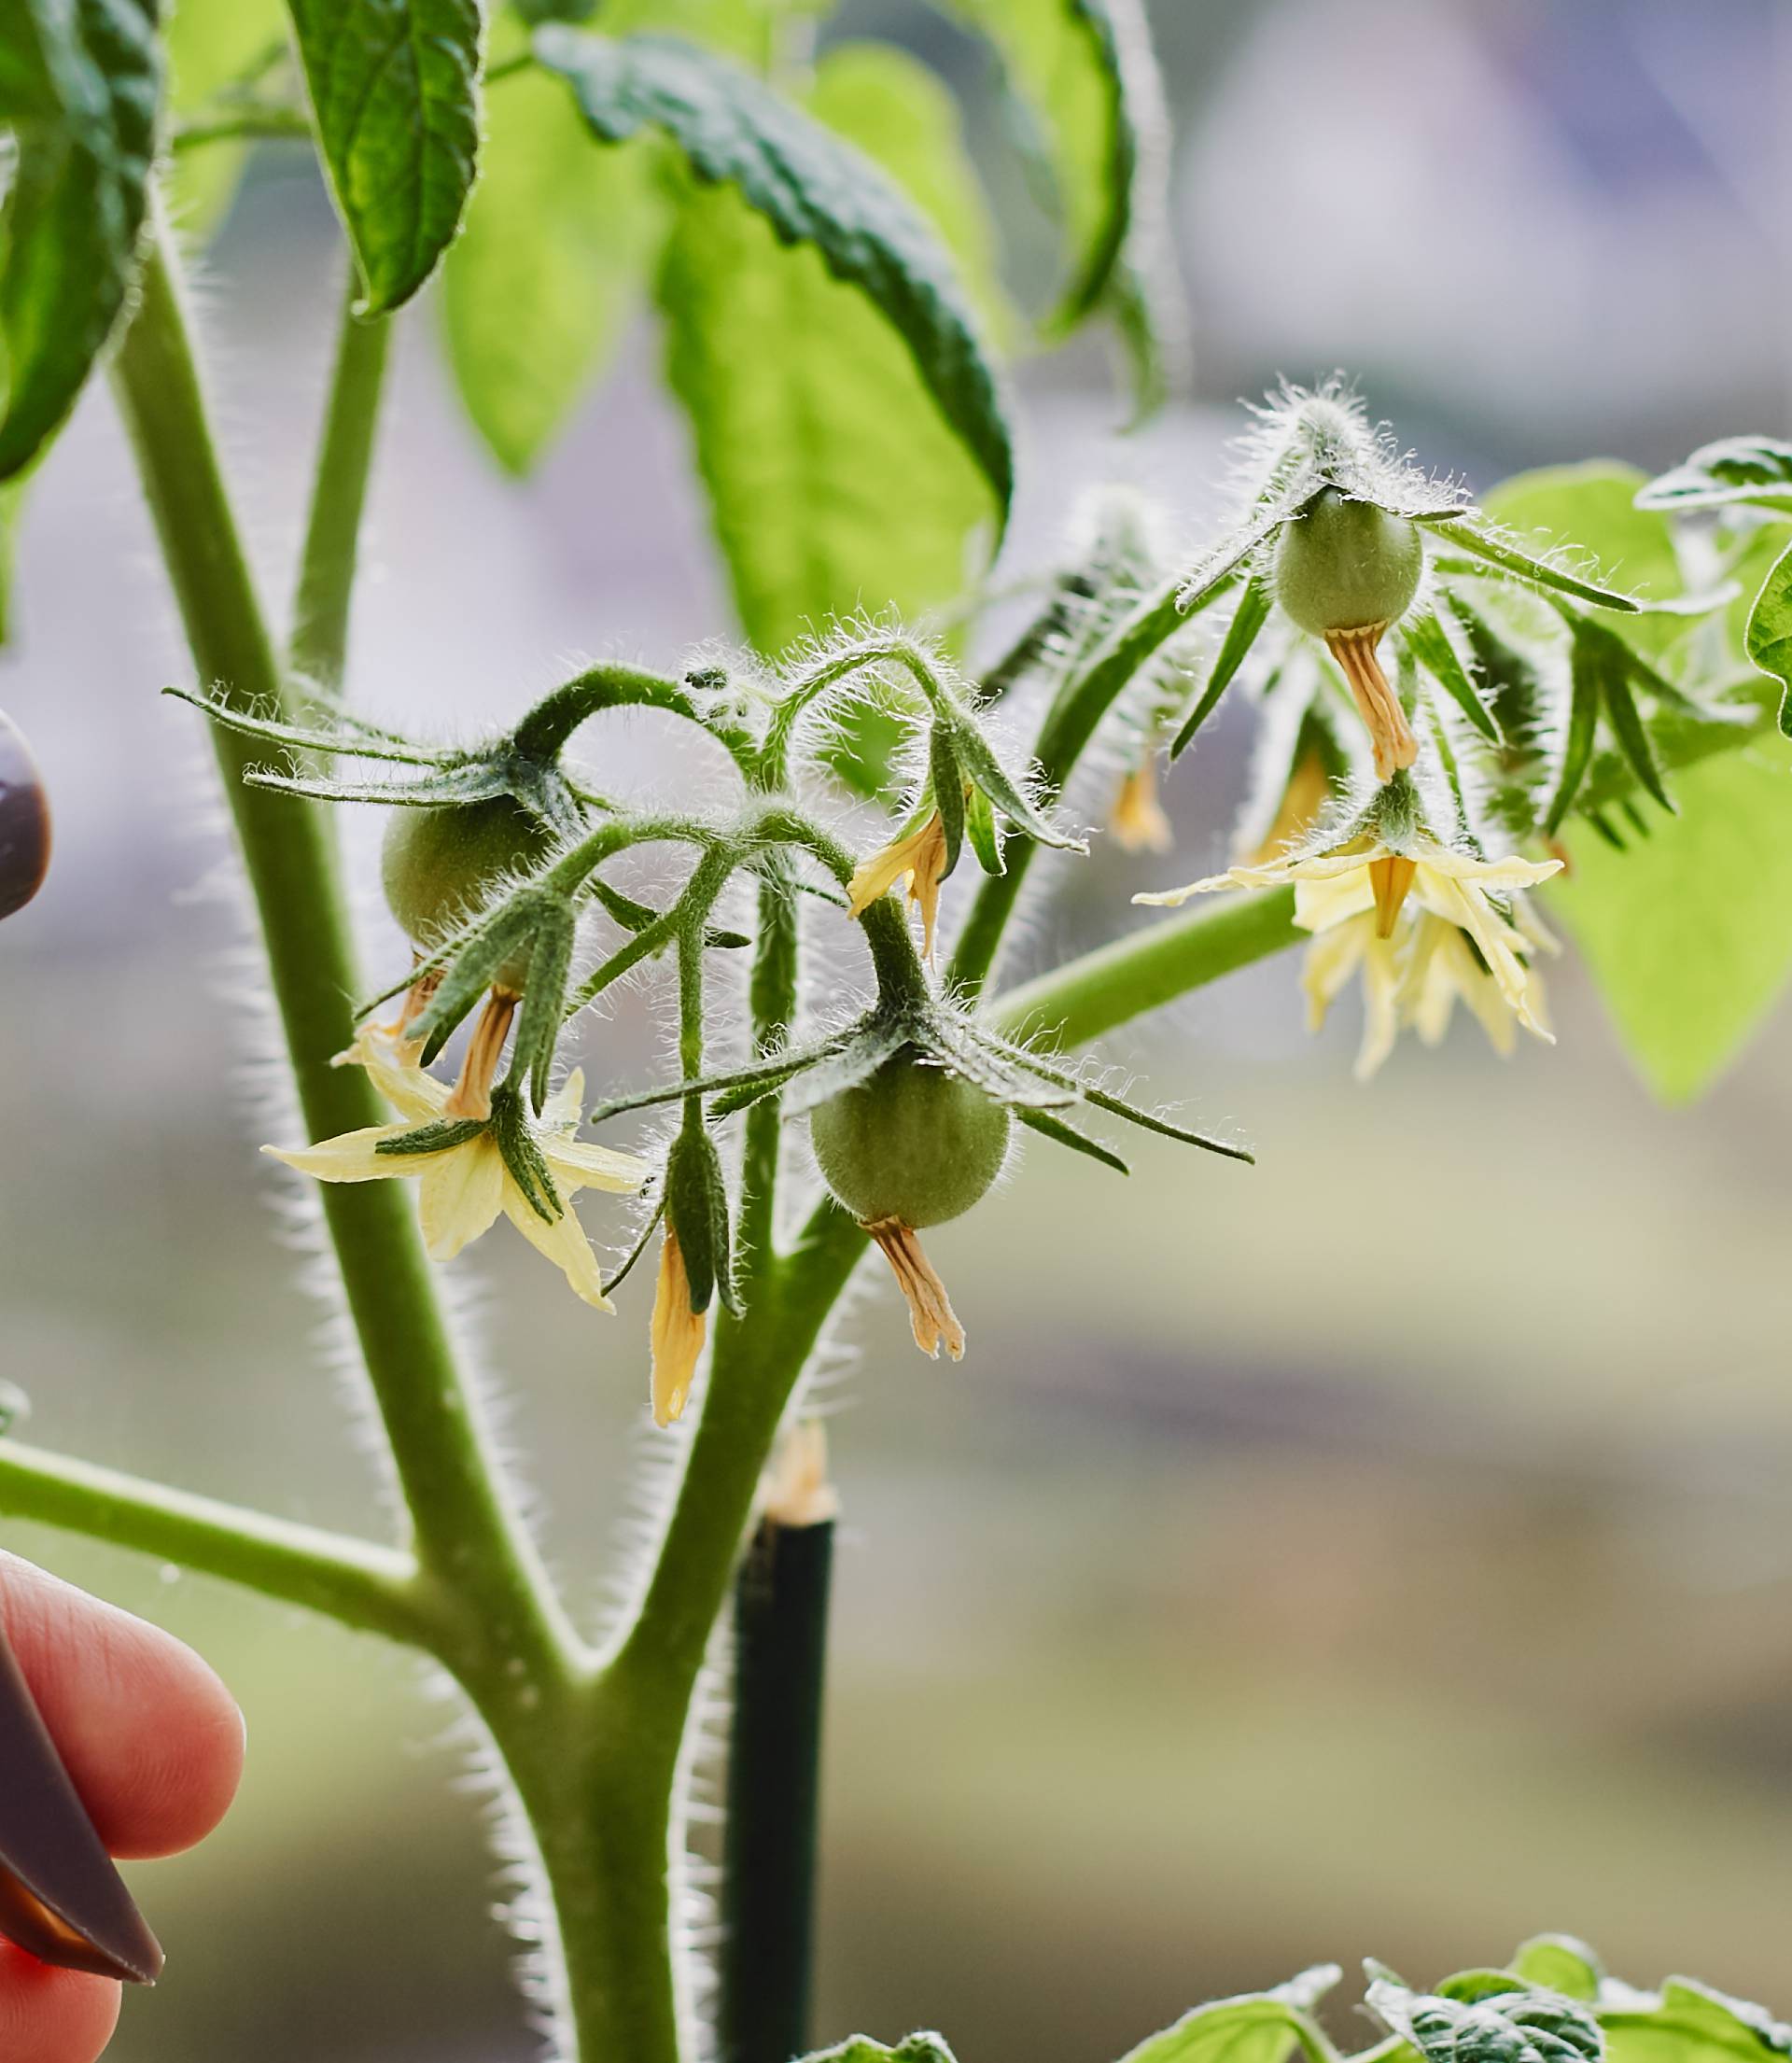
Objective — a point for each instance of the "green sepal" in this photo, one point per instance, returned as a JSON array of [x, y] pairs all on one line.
[[1049, 1126], [1621, 712], [643, 1239], [1428, 641], [522, 1157], [980, 827], [544, 993], [634, 916], [1587, 667], [1560, 1963], [439, 1135], [947, 782], [876, 1038], [1023, 1057], [697, 1208], [984, 770], [1249, 618], [472, 970], [1519, 565]]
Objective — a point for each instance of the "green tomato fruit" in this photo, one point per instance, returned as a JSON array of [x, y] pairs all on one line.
[[914, 1143], [1346, 565], [438, 863]]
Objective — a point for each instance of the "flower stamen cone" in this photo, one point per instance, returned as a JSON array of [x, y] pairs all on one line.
[[1138, 821], [471, 1095], [1390, 876], [677, 1334], [917, 860], [930, 1316], [1389, 735]]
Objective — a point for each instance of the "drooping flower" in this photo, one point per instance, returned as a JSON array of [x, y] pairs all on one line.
[[471, 1162], [1136, 819], [918, 860], [676, 1333], [1418, 919]]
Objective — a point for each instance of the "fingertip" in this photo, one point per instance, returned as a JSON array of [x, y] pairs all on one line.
[[152, 1738], [52, 2015]]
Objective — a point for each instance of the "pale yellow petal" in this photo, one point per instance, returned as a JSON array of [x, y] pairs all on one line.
[[1330, 959], [1511, 873], [579, 1166], [353, 1155], [398, 1078], [565, 1110], [462, 1193], [1380, 1006], [1334, 899], [1173, 899], [1463, 904], [563, 1243]]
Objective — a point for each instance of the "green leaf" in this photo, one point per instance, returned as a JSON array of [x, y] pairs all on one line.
[[553, 259], [814, 191], [1516, 2026], [1560, 1963], [1084, 70], [395, 97], [1768, 636], [1686, 932], [210, 44], [833, 480], [80, 82], [1260, 2026], [1690, 2022], [1753, 470], [917, 2048]]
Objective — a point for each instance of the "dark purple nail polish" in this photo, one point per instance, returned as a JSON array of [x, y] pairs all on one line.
[[61, 1898], [24, 822]]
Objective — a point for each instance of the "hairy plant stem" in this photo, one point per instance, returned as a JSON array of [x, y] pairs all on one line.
[[319, 643], [470, 1537]]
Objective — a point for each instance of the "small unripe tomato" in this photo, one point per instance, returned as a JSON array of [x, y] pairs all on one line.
[[1346, 565], [915, 1143], [24, 822], [439, 865]]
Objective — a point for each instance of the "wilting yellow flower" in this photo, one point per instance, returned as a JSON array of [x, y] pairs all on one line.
[[1460, 943], [1335, 955], [1138, 821], [1389, 735], [676, 1333], [1443, 966], [930, 1316], [464, 1185], [919, 861]]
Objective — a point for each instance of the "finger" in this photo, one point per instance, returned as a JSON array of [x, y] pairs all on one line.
[[52, 2015], [149, 1736]]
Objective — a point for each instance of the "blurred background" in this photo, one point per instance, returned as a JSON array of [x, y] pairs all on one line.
[[1386, 1550]]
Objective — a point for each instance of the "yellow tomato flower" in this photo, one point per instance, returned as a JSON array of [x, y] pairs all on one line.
[[676, 1333], [919, 861], [1354, 901], [1138, 821], [464, 1185]]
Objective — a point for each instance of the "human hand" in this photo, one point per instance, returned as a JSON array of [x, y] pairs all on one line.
[[153, 1743]]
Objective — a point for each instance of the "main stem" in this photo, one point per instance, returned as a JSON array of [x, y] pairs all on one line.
[[469, 1535]]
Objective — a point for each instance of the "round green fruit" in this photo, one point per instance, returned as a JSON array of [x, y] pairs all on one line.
[[1346, 565], [439, 865], [915, 1143]]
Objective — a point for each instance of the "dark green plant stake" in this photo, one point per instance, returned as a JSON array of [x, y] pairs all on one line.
[[773, 1766], [24, 822]]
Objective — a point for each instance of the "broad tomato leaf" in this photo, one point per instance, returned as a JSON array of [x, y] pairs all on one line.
[[1488, 2026], [1768, 636], [813, 191], [1560, 1963], [917, 2048], [1590, 513], [834, 482], [80, 83], [1753, 470], [1690, 2022], [1685, 932], [1261, 2026], [394, 96], [552, 261], [1085, 72]]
